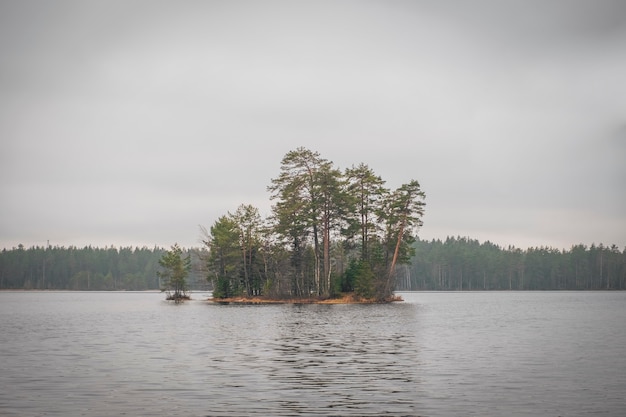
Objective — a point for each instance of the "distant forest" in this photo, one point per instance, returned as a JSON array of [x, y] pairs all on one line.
[[466, 264], [85, 269], [450, 265]]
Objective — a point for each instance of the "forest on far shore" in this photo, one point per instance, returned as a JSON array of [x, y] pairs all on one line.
[[465, 264], [456, 263]]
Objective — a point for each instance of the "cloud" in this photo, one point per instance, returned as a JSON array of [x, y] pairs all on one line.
[[137, 121]]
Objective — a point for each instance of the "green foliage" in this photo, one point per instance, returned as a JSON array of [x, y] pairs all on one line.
[[248, 223], [403, 210], [466, 264], [222, 288], [317, 205], [88, 268], [173, 274], [365, 283], [451, 264], [225, 261], [297, 213], [360, 279], [336, 282], [349, 276], [368, 191], [333, 232]]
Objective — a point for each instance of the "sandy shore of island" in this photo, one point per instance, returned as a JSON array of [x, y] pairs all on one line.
[[346, 299]]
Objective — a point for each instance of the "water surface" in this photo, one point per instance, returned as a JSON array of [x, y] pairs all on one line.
[[436, 354]]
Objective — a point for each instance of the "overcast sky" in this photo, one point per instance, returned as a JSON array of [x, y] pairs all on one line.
[[134, 122]]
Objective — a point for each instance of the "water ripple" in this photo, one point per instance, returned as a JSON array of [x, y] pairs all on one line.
[[114, 354]]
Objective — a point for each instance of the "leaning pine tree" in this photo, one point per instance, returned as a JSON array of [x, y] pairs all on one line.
[[403, 216]]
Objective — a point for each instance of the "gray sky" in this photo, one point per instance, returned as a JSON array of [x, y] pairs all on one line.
[[133, 122]]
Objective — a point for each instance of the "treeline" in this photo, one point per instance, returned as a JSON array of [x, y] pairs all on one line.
[[449, 265], [466, 264], [88, 268]]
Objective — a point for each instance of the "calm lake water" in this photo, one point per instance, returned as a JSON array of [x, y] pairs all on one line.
[[436, 354]]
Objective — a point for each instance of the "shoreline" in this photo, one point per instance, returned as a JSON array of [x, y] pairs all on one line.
[[346, 299]]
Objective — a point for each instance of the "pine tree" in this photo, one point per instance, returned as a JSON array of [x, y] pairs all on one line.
[[175, 269]]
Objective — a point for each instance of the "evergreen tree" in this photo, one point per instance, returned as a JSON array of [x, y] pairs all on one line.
[[297, 211], [175, 269], [248, 223], [225, 258], [402, 214], [368, 192]]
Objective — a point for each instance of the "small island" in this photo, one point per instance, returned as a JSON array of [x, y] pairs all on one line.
[[343, 299], [334, 236], [173, 274]]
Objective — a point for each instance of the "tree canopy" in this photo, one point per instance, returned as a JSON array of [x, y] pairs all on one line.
[[173, 273], [322, 220]]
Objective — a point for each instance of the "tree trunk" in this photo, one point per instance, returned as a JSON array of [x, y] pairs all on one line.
[[327, 256], [394, 259]]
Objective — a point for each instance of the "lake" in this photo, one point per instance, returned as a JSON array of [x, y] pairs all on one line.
[[435, 354]]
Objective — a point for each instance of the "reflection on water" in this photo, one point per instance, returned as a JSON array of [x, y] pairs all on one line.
[[437, 354], [317, 359], [361, 364]]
